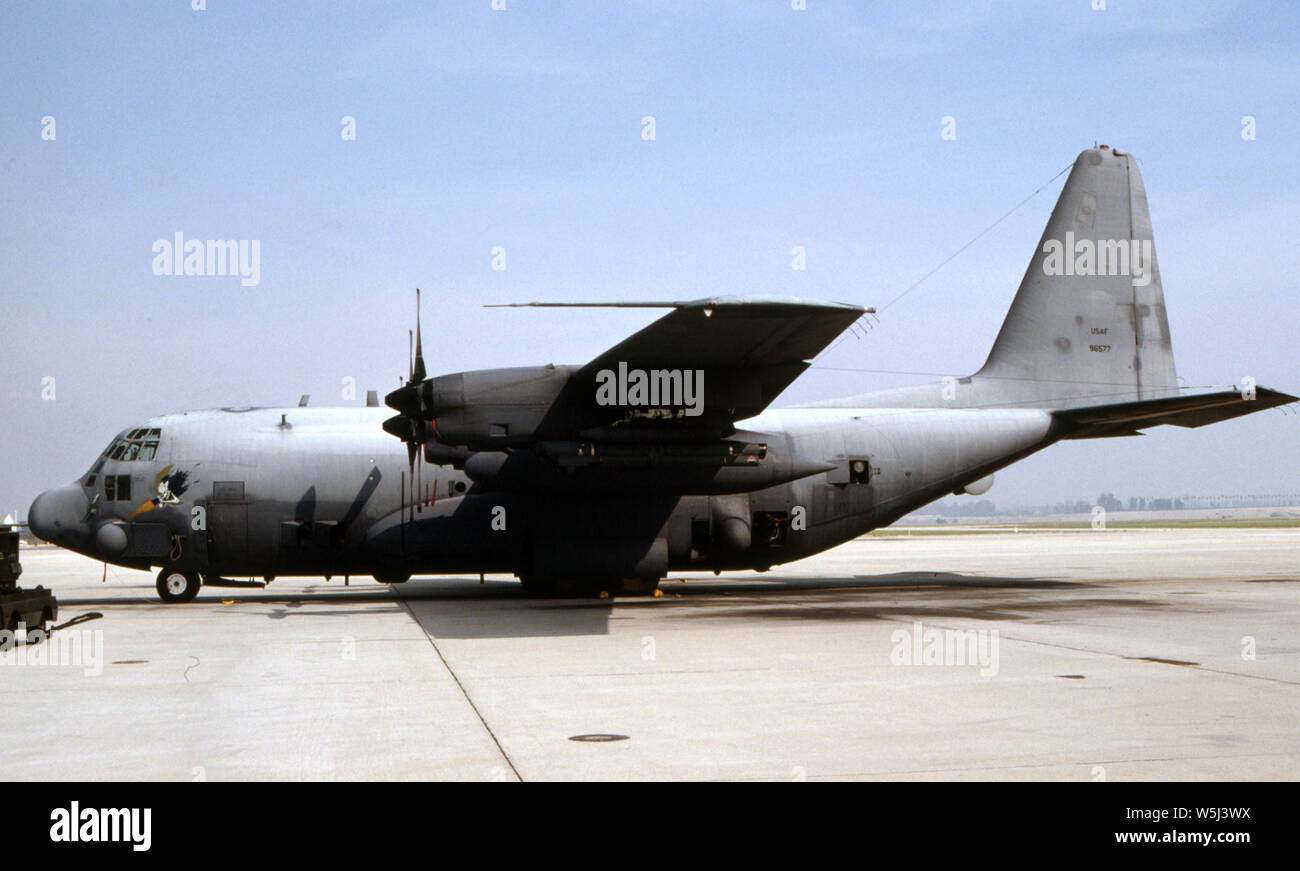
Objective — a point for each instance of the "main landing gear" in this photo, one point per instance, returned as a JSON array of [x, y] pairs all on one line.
[[552, 588]]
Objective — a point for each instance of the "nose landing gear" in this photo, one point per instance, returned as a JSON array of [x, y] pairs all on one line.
[[175, 585]]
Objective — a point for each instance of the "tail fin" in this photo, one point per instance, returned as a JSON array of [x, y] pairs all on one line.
[[1088, 325], [1087, 336]]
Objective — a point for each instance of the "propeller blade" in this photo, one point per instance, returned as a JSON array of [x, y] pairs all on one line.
[[412, 423], [418, 372]]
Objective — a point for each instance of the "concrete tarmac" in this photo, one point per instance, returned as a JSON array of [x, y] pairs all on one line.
[[1080, 655]]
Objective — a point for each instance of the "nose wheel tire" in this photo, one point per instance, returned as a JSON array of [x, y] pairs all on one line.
[[175, 585]]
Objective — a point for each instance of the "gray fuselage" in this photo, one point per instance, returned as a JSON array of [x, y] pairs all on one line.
[[325, 491]]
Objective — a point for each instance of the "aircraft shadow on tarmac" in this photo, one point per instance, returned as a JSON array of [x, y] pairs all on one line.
[[444, 612], [462, 608]]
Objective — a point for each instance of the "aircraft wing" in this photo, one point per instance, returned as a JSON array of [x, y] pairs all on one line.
[[687, 378], [749, 349], [735, 333], [1127, 418]]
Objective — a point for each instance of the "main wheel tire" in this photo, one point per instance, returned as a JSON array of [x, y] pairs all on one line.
[[176, 586]]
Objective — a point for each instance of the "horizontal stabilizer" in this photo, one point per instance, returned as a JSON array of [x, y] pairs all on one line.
[[1127, 418]]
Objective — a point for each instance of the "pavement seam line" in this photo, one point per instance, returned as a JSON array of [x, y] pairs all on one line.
[[460, 686], [1198, 667]]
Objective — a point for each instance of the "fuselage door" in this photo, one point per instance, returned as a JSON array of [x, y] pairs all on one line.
[[227, 524]]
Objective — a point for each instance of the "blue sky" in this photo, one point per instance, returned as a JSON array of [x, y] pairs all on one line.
[[522, 128]]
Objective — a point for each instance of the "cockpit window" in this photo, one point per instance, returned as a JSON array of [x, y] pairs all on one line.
[[137, 444], [117, 488]]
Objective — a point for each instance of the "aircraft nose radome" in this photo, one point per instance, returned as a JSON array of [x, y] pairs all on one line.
[[58, 512]]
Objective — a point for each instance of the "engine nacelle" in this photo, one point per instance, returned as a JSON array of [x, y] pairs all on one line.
[[494, 408]]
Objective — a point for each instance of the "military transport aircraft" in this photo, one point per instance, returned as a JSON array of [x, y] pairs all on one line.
[[658, 455]]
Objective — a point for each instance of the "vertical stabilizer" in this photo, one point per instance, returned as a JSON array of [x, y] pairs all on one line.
[[1088, 325]]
